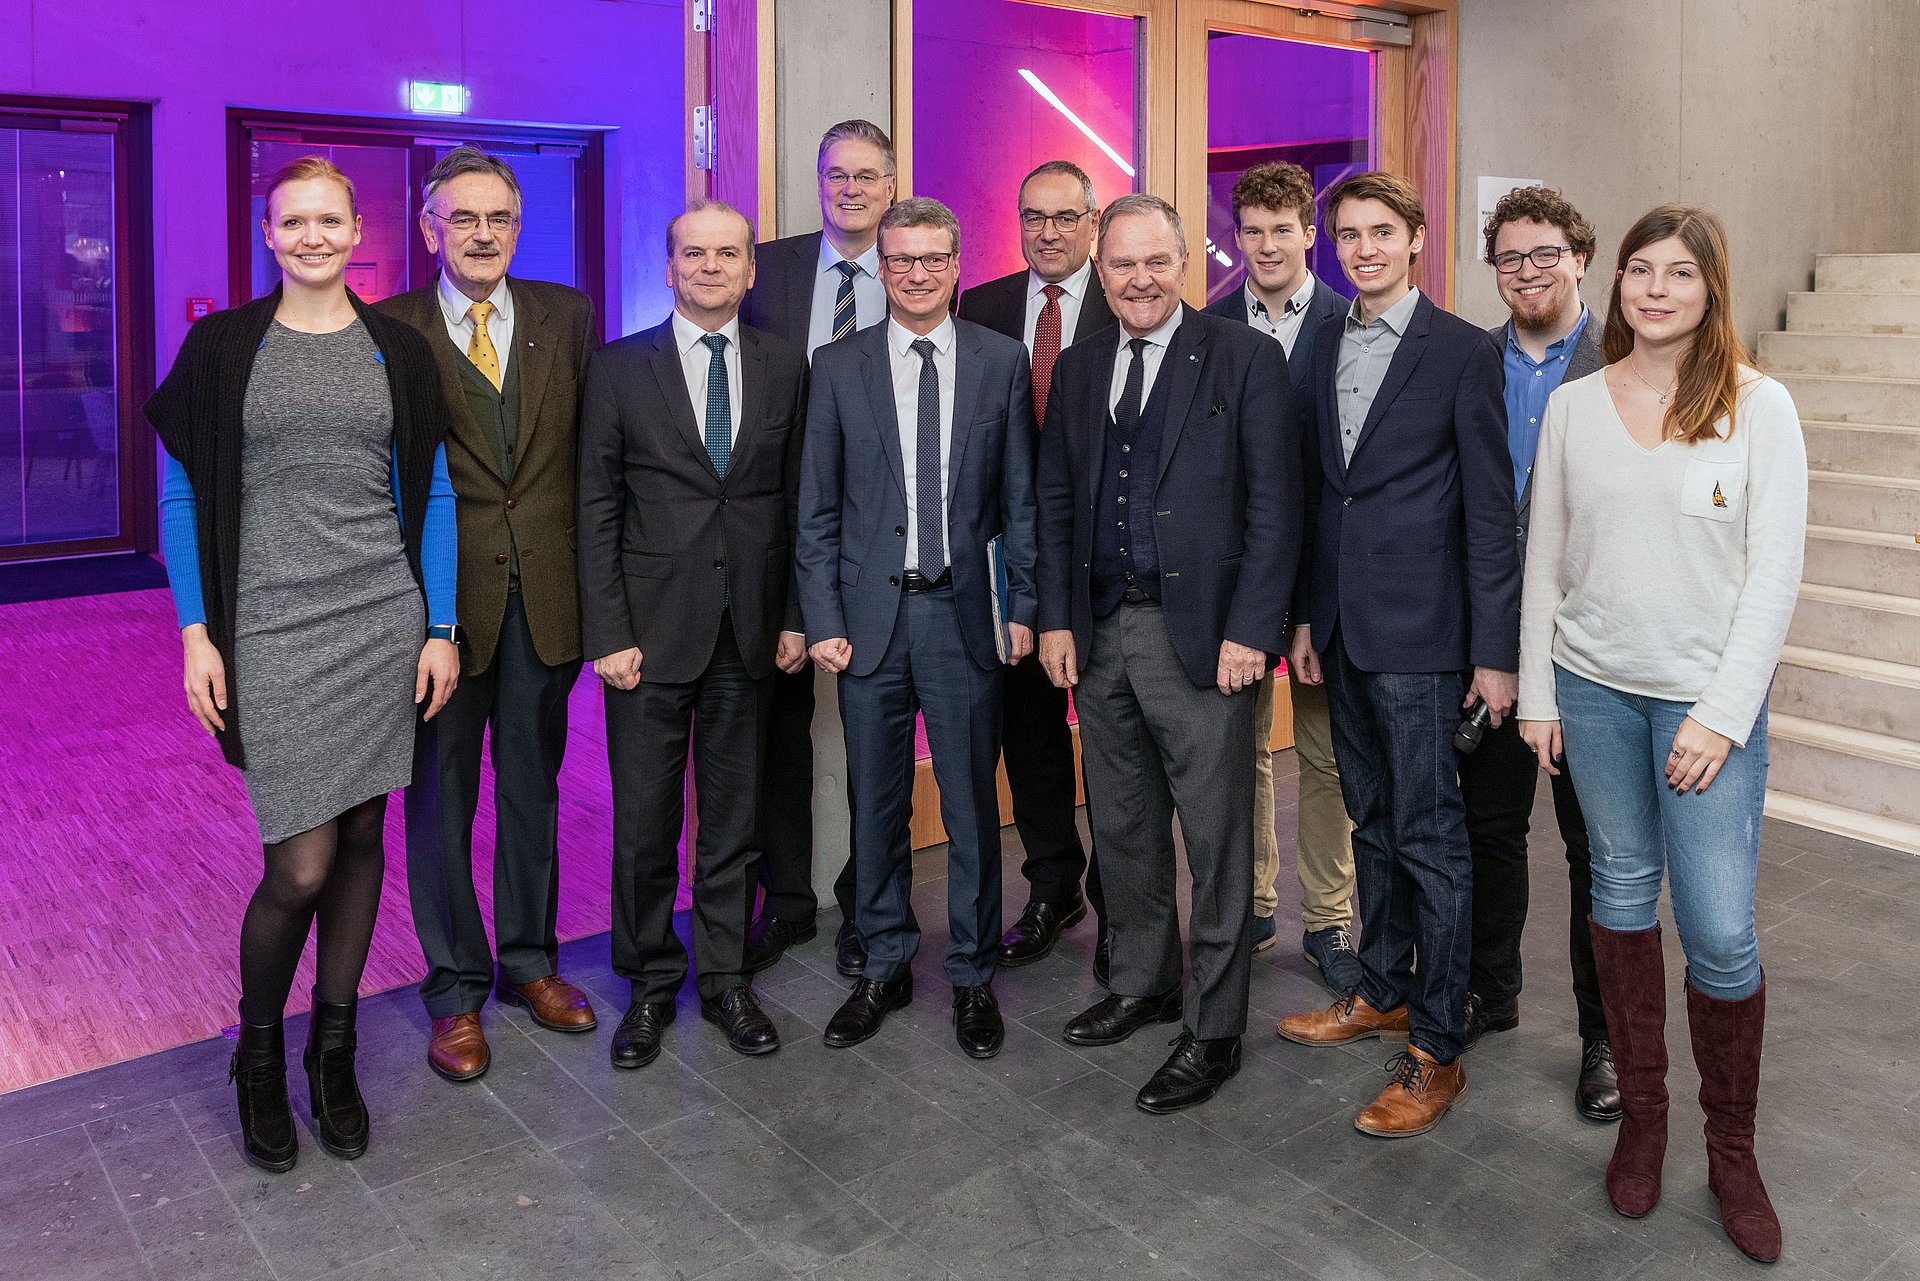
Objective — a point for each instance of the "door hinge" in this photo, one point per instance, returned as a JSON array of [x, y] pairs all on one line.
[[702, 15], [703, 135]]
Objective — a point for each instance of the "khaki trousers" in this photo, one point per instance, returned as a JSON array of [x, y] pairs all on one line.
[[1323, 850]]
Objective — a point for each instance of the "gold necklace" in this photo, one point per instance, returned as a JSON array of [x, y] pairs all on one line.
[[1663, 395]]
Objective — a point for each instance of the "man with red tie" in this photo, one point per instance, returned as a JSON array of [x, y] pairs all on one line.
[[1052, 304]]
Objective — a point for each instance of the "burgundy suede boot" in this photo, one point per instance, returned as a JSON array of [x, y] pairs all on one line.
[[1726, 1046], [1633, 988]]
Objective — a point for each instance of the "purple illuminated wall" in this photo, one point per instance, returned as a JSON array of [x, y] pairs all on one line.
[[576, 64], [979, 127]]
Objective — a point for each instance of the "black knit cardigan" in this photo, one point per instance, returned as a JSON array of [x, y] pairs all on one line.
[[198, 414]]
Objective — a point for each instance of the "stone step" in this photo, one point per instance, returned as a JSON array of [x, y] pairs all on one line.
[[1839, 313], [1846, 621], [1874, 774], [1843, 355], [1871, 448], [1867, 273], [1841, 821], [1828, 399], [1889, 504], [1863, 559], [1880, 698]]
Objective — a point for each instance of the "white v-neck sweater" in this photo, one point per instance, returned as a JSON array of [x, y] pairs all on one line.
[[1669, 572]]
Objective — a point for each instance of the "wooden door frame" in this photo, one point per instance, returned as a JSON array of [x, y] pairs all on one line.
[[1415, 92], [737, 60]]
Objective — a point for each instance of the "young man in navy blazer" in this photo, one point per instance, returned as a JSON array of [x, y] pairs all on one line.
[[1282, 298], [1413, 615], [917, 458]]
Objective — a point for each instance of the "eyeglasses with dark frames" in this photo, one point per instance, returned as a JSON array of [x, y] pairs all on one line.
[[901, 264], [1542, 256], [1065, 220]]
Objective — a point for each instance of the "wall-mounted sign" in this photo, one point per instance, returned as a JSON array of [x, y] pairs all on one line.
[[430, 97]]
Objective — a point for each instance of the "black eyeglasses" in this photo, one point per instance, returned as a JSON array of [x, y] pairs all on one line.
[[1065, 220], [901, 264], [1542, 256]]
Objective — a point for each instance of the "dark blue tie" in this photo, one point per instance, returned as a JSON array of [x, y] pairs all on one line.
[[1126, 414], [845, 309], [929, 506], [719, 428]]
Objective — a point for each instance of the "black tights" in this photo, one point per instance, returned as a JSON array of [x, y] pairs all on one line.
[[331, 873]]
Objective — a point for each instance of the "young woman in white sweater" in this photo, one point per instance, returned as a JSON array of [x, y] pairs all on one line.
[[1663, 561]]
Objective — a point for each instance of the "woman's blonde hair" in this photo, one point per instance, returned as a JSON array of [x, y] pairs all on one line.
[[307, 168]]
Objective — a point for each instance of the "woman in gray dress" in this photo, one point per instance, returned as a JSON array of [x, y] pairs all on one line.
[[308, 526]]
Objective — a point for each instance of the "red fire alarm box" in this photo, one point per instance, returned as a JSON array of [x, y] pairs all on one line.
[[199, 309]]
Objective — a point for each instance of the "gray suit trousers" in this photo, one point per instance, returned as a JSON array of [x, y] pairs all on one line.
[[1152, 743]]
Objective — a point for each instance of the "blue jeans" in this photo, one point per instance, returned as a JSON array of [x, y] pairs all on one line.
[[1708, 843], [1400, 777]]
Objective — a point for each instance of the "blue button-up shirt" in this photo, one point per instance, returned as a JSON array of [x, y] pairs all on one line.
[[1528, 386]]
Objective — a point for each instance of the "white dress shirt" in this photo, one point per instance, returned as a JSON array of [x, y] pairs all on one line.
[[453, 310], [1156, 351], [906, 407], [1073, 293], [696, 358], [1285, 326], [869, 297]]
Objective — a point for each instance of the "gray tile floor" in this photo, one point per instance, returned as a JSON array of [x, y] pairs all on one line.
[[905, 1160]]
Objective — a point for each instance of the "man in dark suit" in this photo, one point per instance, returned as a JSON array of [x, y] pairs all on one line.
[[1539, 247], [918, 458], [811, 289], [689, 468], [1282, 298], [1053, 304], [1415, 578], [1170, 517], [511, 353]]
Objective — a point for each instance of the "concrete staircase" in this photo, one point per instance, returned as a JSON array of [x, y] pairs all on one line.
[[1845, 716]]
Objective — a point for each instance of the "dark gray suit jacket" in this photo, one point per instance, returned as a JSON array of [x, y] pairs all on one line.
[[781, 300], [1001, 305], [658, 525], [1586, 358], [852, 548]]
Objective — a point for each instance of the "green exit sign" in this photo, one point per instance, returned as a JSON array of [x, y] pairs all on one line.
[[437, 99]]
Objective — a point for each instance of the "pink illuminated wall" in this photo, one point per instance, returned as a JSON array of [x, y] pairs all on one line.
[[979, 127]]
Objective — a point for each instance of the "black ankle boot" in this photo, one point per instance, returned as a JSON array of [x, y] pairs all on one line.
[[339, 1113], [258, 1071]]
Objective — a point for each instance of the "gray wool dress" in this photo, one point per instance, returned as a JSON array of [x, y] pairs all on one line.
[[329, 619]]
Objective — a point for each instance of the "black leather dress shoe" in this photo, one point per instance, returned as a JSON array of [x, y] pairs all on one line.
[[769, 937], [849, 953], [977, 1024], [862, 1013], [747, 1026], [1597, 1096], [1193, 1074], [636, 1042], [1484, 1016], [1102, 956], [1038, 929], [1113, 1019]]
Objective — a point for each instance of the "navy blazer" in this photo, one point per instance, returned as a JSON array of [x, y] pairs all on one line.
[[1001, 305], [1327, 305], [1413, 556], [852, 550], [1228, 507], [784, 275]]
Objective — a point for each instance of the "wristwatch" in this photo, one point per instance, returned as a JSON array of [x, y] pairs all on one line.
[[445, 632]]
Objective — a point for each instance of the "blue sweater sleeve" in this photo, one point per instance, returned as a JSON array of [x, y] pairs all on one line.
[[439, 548], [180, 541]]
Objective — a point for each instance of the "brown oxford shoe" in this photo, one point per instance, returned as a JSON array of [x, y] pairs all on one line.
[[1420, 1093], [1348, 1019], [555, 1004], [458, 1049]]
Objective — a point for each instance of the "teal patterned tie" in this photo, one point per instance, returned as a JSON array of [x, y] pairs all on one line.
[[719, 428]]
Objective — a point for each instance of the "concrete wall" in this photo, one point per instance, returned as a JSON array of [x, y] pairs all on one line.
[[1794, 120], [833, 61], [578, 63]]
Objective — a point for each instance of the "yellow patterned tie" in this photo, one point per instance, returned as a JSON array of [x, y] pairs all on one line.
[[480, 347]]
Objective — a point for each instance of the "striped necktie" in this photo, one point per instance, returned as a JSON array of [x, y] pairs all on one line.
[[846, 314]]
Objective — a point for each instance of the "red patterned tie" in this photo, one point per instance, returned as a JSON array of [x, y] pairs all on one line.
[[1046, 349]]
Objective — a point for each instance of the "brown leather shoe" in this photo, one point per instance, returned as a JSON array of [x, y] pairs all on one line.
[[555, 1004], [458, 1049], [1351, 1019], [1419, 1095]]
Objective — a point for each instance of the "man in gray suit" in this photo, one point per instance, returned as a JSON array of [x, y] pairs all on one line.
[[918, 457], [689, 466], [1539, 247]]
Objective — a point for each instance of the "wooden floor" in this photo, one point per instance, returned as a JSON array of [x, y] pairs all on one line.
[[127, 850]]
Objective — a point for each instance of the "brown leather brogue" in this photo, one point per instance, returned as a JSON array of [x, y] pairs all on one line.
[[1420, 1093], [458, 1048], [555, 1004], [1348, 1019]]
